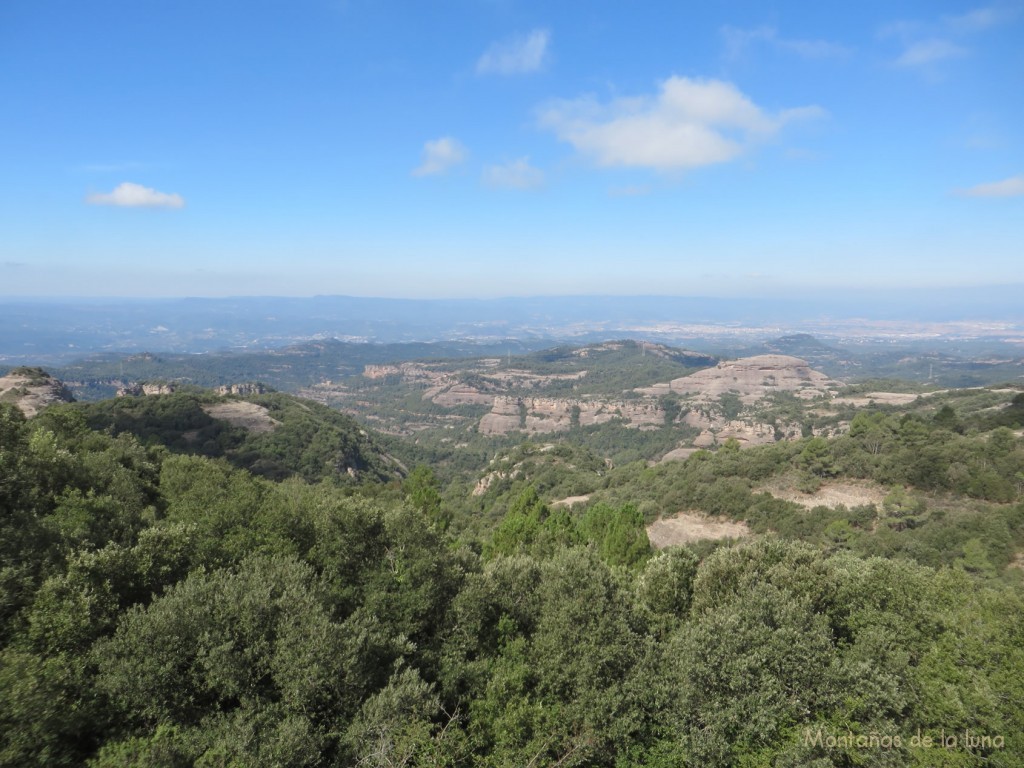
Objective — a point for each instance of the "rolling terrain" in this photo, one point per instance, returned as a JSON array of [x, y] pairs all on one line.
[[560, 583]]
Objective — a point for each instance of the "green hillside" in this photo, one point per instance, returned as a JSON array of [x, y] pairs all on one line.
[[273, 435], [198, 579]]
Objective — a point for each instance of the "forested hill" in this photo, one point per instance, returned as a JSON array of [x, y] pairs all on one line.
[[285, 368], [159, 607], [271, 434]]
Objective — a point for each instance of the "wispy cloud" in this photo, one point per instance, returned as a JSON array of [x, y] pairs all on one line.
[[927, 42], [929, 51], [737, 41], [980, 18], [439, 156], [688, 123], [983, 140], [1011, 187], [517, 174], [515, 56], [129, 195]]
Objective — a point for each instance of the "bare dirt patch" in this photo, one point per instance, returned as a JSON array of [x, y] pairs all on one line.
[[880, 398], [688, 526], [248, 416], [678, 454], [32, 392], [751, 378], [847, 493], [568, 501]]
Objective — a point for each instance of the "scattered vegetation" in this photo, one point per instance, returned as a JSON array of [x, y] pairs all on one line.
[[307, 439], [176, 589]]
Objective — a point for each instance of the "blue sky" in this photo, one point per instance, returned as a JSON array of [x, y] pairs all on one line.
[[495, 147]]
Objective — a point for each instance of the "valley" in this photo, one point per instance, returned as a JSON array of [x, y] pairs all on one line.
[[476, 515]]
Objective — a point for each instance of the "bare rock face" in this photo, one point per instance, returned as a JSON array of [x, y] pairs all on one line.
[[752, 378], [541, 415], [407, 371], [517, 402], [460, 394], [244, 389], [138, 389], [744, 433], [250, 416], [678, 454], [32, 389]]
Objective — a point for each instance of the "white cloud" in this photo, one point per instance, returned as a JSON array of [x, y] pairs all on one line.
[[1011, 187], [928, 51], [737, 40], [129, 195], [517, 174], [439, 156], [516, 56], [687, 124]]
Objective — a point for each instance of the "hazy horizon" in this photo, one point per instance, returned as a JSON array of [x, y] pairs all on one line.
[[981, 292]]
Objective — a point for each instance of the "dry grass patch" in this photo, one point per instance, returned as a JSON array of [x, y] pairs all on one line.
[[248, 416], [690, 526], [678, 454], [847, 493], [881, 398], [568, 501]]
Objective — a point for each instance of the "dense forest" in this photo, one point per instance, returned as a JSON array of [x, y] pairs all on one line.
[[175, 592]]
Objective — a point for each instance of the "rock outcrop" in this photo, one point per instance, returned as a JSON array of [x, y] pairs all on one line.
[[408, 371], [240, 413], [32, 389], [461, 394], [752, 378], [536, 415], [744, 433], [244, 389], [138, 389]]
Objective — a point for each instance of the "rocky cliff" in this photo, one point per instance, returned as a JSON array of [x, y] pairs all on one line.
[[752, 378], [536, 415], [32, 389], [138, 389]]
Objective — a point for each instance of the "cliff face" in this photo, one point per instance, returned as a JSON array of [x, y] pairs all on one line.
[[245, 389], [752, 378], [135, 389], [549, 414], [32, 389]]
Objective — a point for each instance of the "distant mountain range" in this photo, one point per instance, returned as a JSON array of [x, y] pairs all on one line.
[[46, 331]]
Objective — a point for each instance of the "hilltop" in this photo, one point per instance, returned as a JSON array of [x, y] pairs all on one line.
[[270, 434], [751, 378], [32, 389], [257, 541]]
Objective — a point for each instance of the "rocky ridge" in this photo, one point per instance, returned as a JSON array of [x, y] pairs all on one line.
[[32, 389], [752, 378], [536, 415]]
